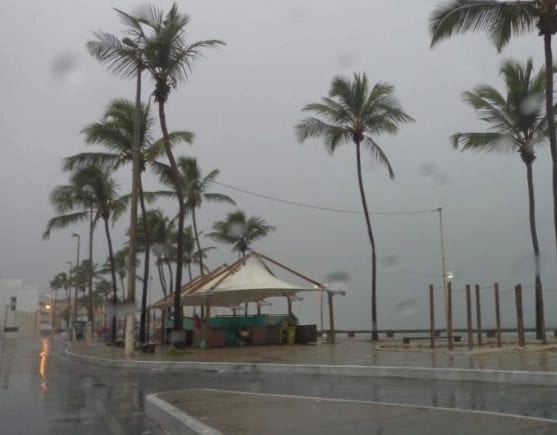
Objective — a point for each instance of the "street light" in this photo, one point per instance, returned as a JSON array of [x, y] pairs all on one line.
[[75, 286]]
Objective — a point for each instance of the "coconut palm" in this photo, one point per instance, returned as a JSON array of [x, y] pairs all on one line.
[[162, 233], [502, 20], [169, 58], [239, 231], [115, 131], [91, 188], [195, 187], [355, 113], [517, 123], [124, 58], [121, 264]]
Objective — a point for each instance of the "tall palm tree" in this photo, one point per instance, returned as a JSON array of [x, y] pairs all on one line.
[[115, 131], [502, 20], [355, 113], [90, 188], [124, 58], [169, 59], [195, 187], [239, 231], [517, 122]]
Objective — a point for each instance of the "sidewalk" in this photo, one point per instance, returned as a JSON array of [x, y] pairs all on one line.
[[215, 412], [350, 351]]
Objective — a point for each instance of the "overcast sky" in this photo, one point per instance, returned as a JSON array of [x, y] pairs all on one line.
[[243, 101]]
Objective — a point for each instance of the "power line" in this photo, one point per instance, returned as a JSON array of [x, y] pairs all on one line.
[[316, 207]]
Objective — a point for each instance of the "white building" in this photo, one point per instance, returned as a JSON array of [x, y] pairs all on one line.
[[19, 307]]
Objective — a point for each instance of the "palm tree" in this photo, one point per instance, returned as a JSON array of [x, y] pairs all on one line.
[[115, 131], [191, 255], [124, 58], [239, 231], [517, 122], [62, 281], [169, 59], [91, 188], [503, 19], [354, 113], [195, 187], [121, 264], [162, 231]]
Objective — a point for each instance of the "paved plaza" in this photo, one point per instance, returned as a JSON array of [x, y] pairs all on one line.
[[212, 411]]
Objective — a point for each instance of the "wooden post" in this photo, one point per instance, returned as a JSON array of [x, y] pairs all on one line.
[[519, 317], [539, 298], [331, 334], [497, 314], [450, 315], [431, 317], [207, 329], [469, 317], [289, 305], [479, 315]]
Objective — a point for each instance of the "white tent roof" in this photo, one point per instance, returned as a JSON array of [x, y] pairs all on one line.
[[247, 280]]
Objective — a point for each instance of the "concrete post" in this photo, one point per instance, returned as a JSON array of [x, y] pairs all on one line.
[[129, 335]]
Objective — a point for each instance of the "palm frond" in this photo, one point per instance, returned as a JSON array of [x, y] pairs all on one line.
[[333, 135], [64, 221], [82, 160], [484, 142], [110, 51], [500, 19], [379, 155], [219, 198]]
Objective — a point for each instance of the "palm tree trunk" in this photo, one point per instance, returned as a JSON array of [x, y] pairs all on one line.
[[178, 325], [143, 319], [196, 234], [113, 273], [551, 122], [162, 278], [123, 287], [136, 147], [90, 304], [170, 274], [374, 334], [189, 271], [540, 324]]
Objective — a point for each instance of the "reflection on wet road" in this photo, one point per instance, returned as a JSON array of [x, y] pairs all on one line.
[[47, 392]]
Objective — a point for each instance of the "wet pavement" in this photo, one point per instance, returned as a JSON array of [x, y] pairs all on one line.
[[60, 394], [533, 357], [247, 413], [45, 392]]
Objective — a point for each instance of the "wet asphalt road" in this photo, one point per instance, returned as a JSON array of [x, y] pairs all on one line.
[[46, 392]]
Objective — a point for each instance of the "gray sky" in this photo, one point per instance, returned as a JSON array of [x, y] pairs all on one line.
[[242, 102]]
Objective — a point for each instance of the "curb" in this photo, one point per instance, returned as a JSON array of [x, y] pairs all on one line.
[[425, 373]]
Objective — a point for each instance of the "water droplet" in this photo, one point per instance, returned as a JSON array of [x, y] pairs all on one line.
[[532, 104]]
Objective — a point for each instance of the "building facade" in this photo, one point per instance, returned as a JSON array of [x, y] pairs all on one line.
[[20, 308]]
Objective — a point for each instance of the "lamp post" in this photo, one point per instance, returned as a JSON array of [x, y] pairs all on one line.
[[70, 297], [75, 286]]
